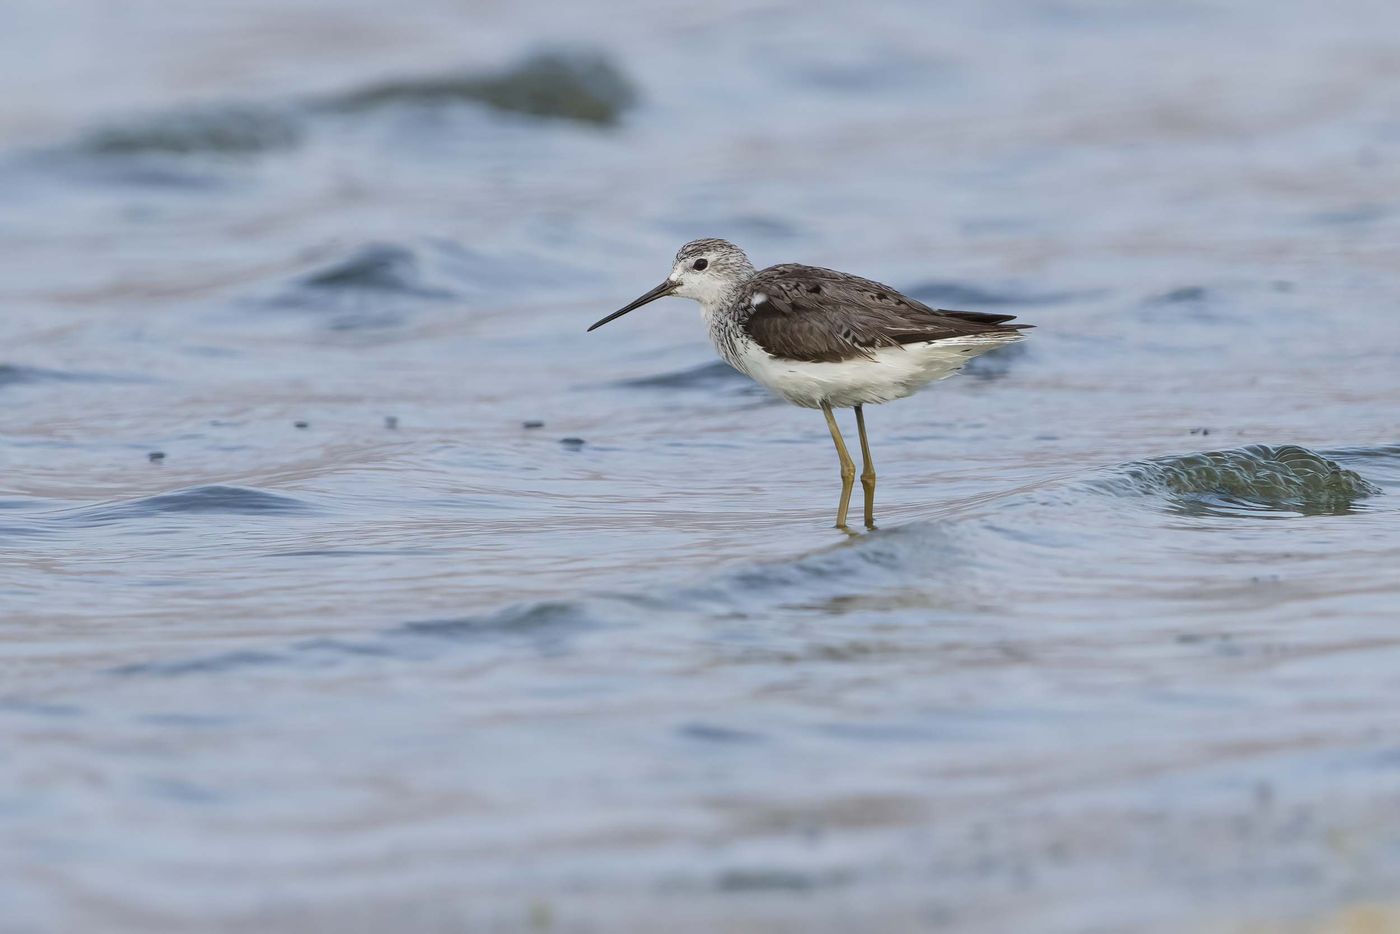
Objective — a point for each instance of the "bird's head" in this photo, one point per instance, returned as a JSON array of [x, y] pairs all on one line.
[[705, 270]]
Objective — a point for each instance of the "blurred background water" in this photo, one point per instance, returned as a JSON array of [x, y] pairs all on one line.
[[345, 584]]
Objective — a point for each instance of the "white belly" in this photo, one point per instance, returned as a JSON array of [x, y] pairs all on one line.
[[890, 373]]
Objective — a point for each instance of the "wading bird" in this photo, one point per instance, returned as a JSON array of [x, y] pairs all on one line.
[[825, 340]]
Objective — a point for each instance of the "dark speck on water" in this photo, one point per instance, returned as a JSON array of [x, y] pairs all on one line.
[[575, 85], [469, 678]]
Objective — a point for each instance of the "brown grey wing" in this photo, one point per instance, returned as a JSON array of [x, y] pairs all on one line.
[[821, 316]]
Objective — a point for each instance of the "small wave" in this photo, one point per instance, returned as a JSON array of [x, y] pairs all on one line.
[[777, 879], [205, 664], [722, 735], [376, 267], [374, 287], [19, 705], [542, 625], [1186, 294], [31, 530], [571, 85], [234, 500], [19, 520], [533, 619], [1194, 303], [828, 576], [11, 375], [1381, 463], [582, 86], [381, 285], [715, 375], [308, 654], [1356, 214], [237, 130], [14, 375], [1285, 477]]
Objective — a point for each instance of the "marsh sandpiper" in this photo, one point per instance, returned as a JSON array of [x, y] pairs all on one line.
[[825, 340]]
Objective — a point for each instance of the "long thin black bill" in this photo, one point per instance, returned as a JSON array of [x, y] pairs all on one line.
[[661, 291]]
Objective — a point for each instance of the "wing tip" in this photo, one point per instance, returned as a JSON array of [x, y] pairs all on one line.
[[986, 317], [996, 322]]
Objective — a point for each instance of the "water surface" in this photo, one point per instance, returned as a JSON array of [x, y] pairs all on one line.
[[347, 583]]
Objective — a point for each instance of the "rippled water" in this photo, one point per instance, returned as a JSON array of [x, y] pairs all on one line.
[[347, 584]]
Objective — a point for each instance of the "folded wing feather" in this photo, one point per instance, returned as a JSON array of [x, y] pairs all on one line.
[[822, 316]]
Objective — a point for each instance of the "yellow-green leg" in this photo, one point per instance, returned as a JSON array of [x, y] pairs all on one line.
[[848, 468], [867, 473]]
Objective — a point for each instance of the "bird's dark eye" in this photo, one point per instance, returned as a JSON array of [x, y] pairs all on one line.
[[699, 264]]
